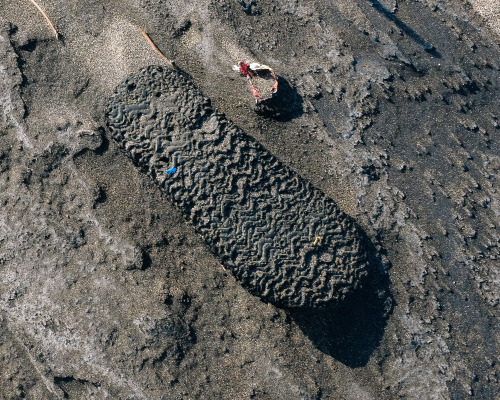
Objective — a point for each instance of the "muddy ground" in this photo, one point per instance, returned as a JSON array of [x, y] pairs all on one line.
[[390, 107]]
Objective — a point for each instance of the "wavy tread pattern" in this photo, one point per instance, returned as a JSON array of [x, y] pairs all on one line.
[[262, 219]]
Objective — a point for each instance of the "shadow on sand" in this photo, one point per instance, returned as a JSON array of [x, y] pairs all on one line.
[[352, 330], [286, 105], [405, 28]]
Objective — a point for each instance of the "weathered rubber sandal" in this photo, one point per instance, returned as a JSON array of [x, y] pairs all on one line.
[[282, 238]]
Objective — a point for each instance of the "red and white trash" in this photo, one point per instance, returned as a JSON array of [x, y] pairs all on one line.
[[262, 78]]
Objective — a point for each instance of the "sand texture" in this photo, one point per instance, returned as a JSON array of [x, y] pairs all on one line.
[[120, 282], [282, 238]]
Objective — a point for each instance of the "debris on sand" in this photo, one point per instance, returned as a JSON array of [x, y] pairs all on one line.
[[261, 77], [46, 17], [270, 248], [169, 62]]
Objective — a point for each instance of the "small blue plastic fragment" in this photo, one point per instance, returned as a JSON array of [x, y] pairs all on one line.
[[171, 171]]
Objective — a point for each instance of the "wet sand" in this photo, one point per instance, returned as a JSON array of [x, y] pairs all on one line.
[[389, 108]]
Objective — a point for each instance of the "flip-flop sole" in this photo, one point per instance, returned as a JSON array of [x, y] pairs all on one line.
[[282, 238]]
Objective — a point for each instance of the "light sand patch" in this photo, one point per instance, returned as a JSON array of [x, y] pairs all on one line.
[[490, 11], [119, 51]]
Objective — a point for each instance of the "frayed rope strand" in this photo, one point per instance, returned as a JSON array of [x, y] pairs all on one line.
[[155, 48], [46, 17]]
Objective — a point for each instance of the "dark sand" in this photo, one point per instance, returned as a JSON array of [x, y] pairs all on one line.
[[391, 108]]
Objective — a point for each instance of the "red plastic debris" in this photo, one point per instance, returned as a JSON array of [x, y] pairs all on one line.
[[245, 69], [261, 71]]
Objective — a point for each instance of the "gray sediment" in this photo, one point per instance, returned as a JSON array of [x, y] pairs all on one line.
[[281, 237]]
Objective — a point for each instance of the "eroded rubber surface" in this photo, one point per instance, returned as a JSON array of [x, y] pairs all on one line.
[[283, 239]]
